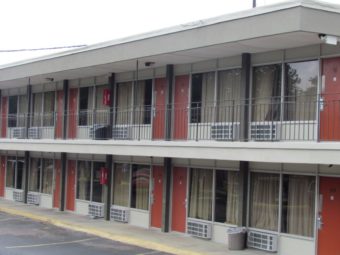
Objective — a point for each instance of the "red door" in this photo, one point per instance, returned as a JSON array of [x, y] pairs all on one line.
[[70, 189], [72, 113], [4, 111], [179, 196], [181, 101], [328, 238], [157, 195], [60, 114], [330, 108], [158, 129], [2, 175], [56, 193]]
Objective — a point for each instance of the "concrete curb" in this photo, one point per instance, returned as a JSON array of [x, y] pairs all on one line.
[[94, 231]]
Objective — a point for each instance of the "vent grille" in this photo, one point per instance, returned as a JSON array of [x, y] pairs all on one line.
[[199, 229], [264, 132], [18, 132], [33, 198], [119, 214], [224, 131], [18, 195], [96, 210], [99, 132], [121, 133], [262, 241], [34, 133]]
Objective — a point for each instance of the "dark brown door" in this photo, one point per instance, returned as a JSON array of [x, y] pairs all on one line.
[[72, 113], [179, 199], [56, 192], [60, 115], [181, 101], [70, 190], [158, 129], [157, 196]]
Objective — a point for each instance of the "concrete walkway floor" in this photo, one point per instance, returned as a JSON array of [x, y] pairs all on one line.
[[146, 238]]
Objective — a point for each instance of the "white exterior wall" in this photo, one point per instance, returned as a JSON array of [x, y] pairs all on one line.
[[46, 200], [9, 194], [139, 218], [82, 207]]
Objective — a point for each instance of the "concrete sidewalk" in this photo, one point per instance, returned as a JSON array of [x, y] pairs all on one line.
[[146, 238]]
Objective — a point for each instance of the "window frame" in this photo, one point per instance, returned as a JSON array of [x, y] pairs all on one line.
[[40, 169]]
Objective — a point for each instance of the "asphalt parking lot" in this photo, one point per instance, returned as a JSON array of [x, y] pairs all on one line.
[[23, 236]]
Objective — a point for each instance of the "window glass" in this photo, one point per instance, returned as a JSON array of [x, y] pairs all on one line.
[[140, 187], [12, 111], [298, 208], [200, 195], [47, 176], [266, 93], [121, 184], [143, 101], [10, 172], [37, 109], [228, 96], [264, 201], [97, 188], [300, 90], [84, 180], [226, 197], [49, 104], [34, 176], [85, 106], [124, 103], [19, 172], [22, 111]]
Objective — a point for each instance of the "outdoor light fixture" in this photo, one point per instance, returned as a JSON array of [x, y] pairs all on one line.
[[329, 39], [149, 63], [49, 79]]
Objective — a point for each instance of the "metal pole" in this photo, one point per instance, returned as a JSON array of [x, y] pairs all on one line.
[[254, 3]]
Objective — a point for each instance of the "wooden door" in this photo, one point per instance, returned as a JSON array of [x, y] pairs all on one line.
[[330, 96], [71, 183], [56, 192], [328, 238], [60, 115], [4, 111], [72, 113], [181, 103], [158, 129], [157, 196], [2, 175], [179, 199]]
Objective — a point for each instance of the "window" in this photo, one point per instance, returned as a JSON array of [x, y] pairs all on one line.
[[142, 102], [228, 95], [10, 172], [17, 110], [300, 90], [124, 103], [85, 106], [140, 187], [88, 181], [266, 93], [264, 201], [226, 197], [43, 109], [298, 205], [121, 185], [41, 175], [202, 97], [200, 194]]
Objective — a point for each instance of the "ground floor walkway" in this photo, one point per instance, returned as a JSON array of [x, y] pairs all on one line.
[[146, 238]]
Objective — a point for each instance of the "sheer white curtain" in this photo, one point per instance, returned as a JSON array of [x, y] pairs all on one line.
[[37, 109], [22, 111], [139, 97], [121, 185], [47, 173], [208, 97], [84, 180], [232, 197], [264, 201], [34, 175], [124, 103], [49, 104], [200, 202], [141, 187]]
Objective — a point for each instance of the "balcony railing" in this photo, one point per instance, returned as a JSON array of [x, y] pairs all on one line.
[[281, 119]]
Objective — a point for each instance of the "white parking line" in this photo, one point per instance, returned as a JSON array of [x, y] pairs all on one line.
[[50, 244]]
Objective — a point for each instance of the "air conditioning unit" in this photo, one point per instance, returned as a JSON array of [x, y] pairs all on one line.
[[33, 198], [120, 214], [199, 229], [224, 131], [18, 195], [99, 132], [19, 132], [264, 132], [262, 241], [96, 210], [34, 133], [122, 133]]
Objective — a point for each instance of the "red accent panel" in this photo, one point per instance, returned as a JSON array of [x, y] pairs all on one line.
[[4, 111], [330, 114], [157, 193], [181, 101], [179, 195], [328, 238], [70, 190], [60, 114], [2, 175], [158, 130], [107, 97], [56, 193], [72, 117]]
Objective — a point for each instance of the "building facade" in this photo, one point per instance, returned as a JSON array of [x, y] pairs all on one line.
[[231, 121]]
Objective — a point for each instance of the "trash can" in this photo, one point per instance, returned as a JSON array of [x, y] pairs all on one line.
[[236, 238]]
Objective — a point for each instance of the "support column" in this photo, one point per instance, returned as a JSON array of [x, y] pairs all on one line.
[[168, 100], [244, 96], [29, 108], [62, 198], [25, 175], [112, 83], [65, 124], [108, 187], [243, 193], [166, 195]]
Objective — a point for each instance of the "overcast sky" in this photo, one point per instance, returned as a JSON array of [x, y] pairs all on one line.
[[46, 23]]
